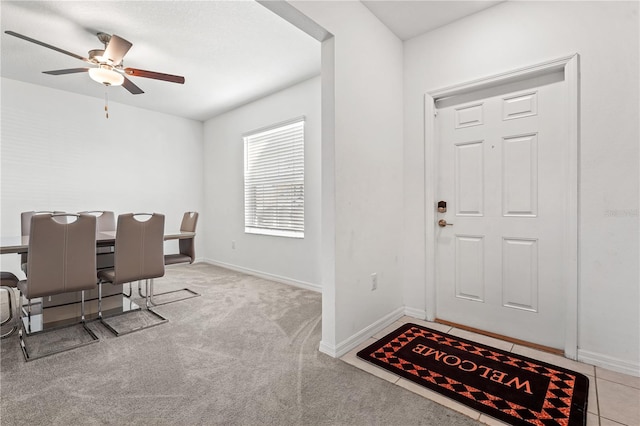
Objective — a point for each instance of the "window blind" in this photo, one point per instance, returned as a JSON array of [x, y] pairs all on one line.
[[274, 181]]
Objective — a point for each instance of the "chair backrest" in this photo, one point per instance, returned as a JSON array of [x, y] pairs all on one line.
[[139, 247], [187, 246], [25, 220], [62, 254], [106, 220], [189, 222]]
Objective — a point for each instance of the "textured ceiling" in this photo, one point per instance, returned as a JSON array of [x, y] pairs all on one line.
[[408, 19], [230, 52]]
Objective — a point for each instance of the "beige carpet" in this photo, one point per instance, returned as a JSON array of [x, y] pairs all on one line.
[[245, 353]]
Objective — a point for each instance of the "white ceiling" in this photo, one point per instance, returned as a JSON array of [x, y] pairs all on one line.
[[410, 18], [230, 52]]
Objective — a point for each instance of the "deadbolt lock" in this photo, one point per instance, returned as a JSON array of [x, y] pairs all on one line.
[[442, 206]]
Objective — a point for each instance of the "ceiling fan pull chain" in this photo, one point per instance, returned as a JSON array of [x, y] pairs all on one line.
[[106, 102]]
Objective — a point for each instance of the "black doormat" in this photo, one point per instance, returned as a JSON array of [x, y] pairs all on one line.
[[513, 388]]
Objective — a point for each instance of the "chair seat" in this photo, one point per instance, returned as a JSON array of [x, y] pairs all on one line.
[[172, 259], [8, 279], [107, 275], [22, 286]]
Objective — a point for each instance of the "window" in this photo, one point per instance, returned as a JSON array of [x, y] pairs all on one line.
[[274, 180]]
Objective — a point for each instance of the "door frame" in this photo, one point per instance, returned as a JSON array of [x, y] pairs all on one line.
[[570, 66]]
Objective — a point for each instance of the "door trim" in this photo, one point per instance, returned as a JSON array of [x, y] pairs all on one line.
[[570, 66]]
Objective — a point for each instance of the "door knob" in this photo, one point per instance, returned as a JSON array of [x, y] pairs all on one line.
[[442, 223]]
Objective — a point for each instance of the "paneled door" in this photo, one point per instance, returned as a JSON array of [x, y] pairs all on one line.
[[500, 245]]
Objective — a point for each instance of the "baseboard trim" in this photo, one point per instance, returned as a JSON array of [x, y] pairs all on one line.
[[415, 313], [348, 344], [327, 349], [342, 348], [265, 275], [608, 362]]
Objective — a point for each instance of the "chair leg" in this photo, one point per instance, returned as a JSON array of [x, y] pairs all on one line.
[[29, 315], [12, 317], [21, 330], [146, 288], [84, 321], [148, 306], [102, 321], [153, 294], [100, 300], [22, 334], [130, 291], [82, 306]]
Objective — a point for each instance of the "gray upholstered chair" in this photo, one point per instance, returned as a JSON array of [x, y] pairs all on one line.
[[105, 222], [62, 259], [187, 249], [25, 220], [25, 228], [139, 255], [9, 282], [186, 254]]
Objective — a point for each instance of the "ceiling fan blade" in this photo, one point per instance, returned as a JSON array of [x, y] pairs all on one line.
[[67, 71], [155, 75], [41, 43], [132, 88], [116, 49]]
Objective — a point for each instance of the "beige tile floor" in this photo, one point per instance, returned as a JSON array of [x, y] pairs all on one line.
[[614, 398]]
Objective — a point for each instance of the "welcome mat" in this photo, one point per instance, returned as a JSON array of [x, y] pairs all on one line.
[[507, 386]]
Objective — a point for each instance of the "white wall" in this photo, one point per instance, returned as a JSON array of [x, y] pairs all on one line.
[[362, 171], [512, 35], [59, 152], [290, 260]]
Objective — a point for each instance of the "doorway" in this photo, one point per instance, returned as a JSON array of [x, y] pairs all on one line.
[[502, 204]]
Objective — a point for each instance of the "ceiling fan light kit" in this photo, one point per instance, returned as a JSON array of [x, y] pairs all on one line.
[[105, 74]]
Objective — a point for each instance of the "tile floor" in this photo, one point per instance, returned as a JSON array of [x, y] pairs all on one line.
[[614, 398]]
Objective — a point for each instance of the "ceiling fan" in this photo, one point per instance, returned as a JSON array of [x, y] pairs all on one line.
[[107, 63]]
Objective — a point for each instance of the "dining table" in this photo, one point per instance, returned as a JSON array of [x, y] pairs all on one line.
[[18, 244], [53, 311]]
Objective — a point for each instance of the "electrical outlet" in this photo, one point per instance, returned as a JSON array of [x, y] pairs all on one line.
[[233, 244], [374, 281]]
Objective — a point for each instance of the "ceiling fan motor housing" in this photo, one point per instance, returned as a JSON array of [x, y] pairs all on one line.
[[96, 55]]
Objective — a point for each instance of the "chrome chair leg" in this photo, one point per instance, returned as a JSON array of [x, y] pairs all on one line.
[[11, 316], [21, 330], [130, 291], [82, 307], [100, 300], [22, 334], [153, 294], [148, 306], [29, 315], [100, 318]]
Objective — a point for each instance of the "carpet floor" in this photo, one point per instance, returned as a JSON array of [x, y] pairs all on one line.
[[245, 353]]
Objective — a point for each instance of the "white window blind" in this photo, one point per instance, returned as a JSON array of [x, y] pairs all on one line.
[[274, 180]]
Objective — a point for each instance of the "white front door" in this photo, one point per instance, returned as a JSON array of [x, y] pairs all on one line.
[[501, 260]]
